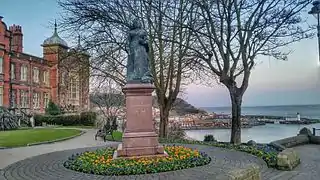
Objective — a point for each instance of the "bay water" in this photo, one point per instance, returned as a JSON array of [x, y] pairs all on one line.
[[307, 111], [265, 133], [262, 134]]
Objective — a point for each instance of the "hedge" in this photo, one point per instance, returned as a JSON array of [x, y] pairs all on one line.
[[84, 119]]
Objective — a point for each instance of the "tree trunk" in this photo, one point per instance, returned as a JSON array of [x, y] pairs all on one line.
[[164, 118], [236, 101]]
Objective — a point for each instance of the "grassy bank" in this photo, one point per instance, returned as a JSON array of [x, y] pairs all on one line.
[[116, 136], [24, 137]]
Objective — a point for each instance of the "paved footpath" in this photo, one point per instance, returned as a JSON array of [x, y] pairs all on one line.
[[9, 156], [45, 162], [309, 169], [50, 167]]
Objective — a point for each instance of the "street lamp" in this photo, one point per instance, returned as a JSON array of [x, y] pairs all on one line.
[[315, 11]]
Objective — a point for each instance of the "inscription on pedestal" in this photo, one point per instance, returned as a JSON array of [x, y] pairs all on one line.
[[140, 110], [139, 114]]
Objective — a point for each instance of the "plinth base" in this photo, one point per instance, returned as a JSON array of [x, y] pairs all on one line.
[[140, 144], [133, 153]]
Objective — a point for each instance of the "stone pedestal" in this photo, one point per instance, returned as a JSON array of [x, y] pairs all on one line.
[[140, 137]]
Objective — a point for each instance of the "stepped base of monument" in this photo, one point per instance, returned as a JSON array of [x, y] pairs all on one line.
[[141, 152], [140, 144]]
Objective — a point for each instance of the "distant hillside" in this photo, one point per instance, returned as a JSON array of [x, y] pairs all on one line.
[[180, 107]]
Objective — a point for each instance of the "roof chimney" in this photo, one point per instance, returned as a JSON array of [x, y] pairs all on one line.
[[17, 38]]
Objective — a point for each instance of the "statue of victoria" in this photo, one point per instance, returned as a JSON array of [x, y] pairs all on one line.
[[138, 69]]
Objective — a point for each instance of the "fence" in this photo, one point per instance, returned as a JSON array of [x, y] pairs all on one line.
[[314, 131]]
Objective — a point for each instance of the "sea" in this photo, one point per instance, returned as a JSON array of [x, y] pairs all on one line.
[[307, 111], [265, 133]]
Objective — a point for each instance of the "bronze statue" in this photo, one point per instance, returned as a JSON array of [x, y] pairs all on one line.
[[138, 70]]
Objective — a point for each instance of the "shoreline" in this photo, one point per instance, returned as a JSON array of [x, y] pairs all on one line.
[[276, 117], [213, 127], [249, 121]]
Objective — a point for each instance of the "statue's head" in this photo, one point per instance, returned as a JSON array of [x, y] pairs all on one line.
[[135, 24]]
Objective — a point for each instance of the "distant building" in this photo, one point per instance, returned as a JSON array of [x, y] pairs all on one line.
[[27, 81]]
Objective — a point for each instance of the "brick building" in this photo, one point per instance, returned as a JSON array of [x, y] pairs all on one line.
[[27, 81]]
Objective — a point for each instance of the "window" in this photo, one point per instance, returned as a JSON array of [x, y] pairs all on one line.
[[63, 78], [14, 97], [24, 73], [36, 74], [36, 100], [74, 91], [46, 77], [46, 99], [13, 71], [1, 95], [1, 64], [24, 99]]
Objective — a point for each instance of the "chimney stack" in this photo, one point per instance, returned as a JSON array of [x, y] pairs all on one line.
[[17, 40]]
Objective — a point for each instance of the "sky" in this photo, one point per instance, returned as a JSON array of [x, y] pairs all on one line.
[[272, 82]]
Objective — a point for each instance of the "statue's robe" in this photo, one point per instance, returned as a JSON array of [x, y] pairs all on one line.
[[138, 62]]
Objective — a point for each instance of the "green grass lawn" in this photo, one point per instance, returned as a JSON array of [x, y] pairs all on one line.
[[117, 135], [18, 138]]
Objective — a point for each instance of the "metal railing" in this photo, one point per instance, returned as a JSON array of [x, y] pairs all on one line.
[[314, 131]]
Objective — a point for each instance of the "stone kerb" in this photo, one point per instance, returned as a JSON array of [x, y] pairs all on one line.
[[288, 159], [252, 172], [315, 139]]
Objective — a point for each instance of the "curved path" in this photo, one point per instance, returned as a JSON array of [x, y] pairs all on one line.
[[50, 167], [45, 162], [9, 156]]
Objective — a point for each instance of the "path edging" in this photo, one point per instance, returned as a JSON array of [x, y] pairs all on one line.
[[47, 142], [251, 171]]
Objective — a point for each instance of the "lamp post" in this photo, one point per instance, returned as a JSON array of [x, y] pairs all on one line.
[[315, 11]]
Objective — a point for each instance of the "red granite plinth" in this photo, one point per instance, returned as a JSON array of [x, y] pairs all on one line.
[[140, 137]]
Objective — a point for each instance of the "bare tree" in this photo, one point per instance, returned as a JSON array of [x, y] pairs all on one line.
[[232, 34], [104, 25], [108, 98]]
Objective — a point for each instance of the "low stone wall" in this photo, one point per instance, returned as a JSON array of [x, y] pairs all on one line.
[[288, 159], [251, 172], [315, 139], [293, 141]]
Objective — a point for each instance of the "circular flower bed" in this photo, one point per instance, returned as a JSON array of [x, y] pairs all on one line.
[[266, 152], [100, 162]]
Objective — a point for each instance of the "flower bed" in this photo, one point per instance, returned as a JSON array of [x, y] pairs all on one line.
[[100, 162], [265, 151]]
